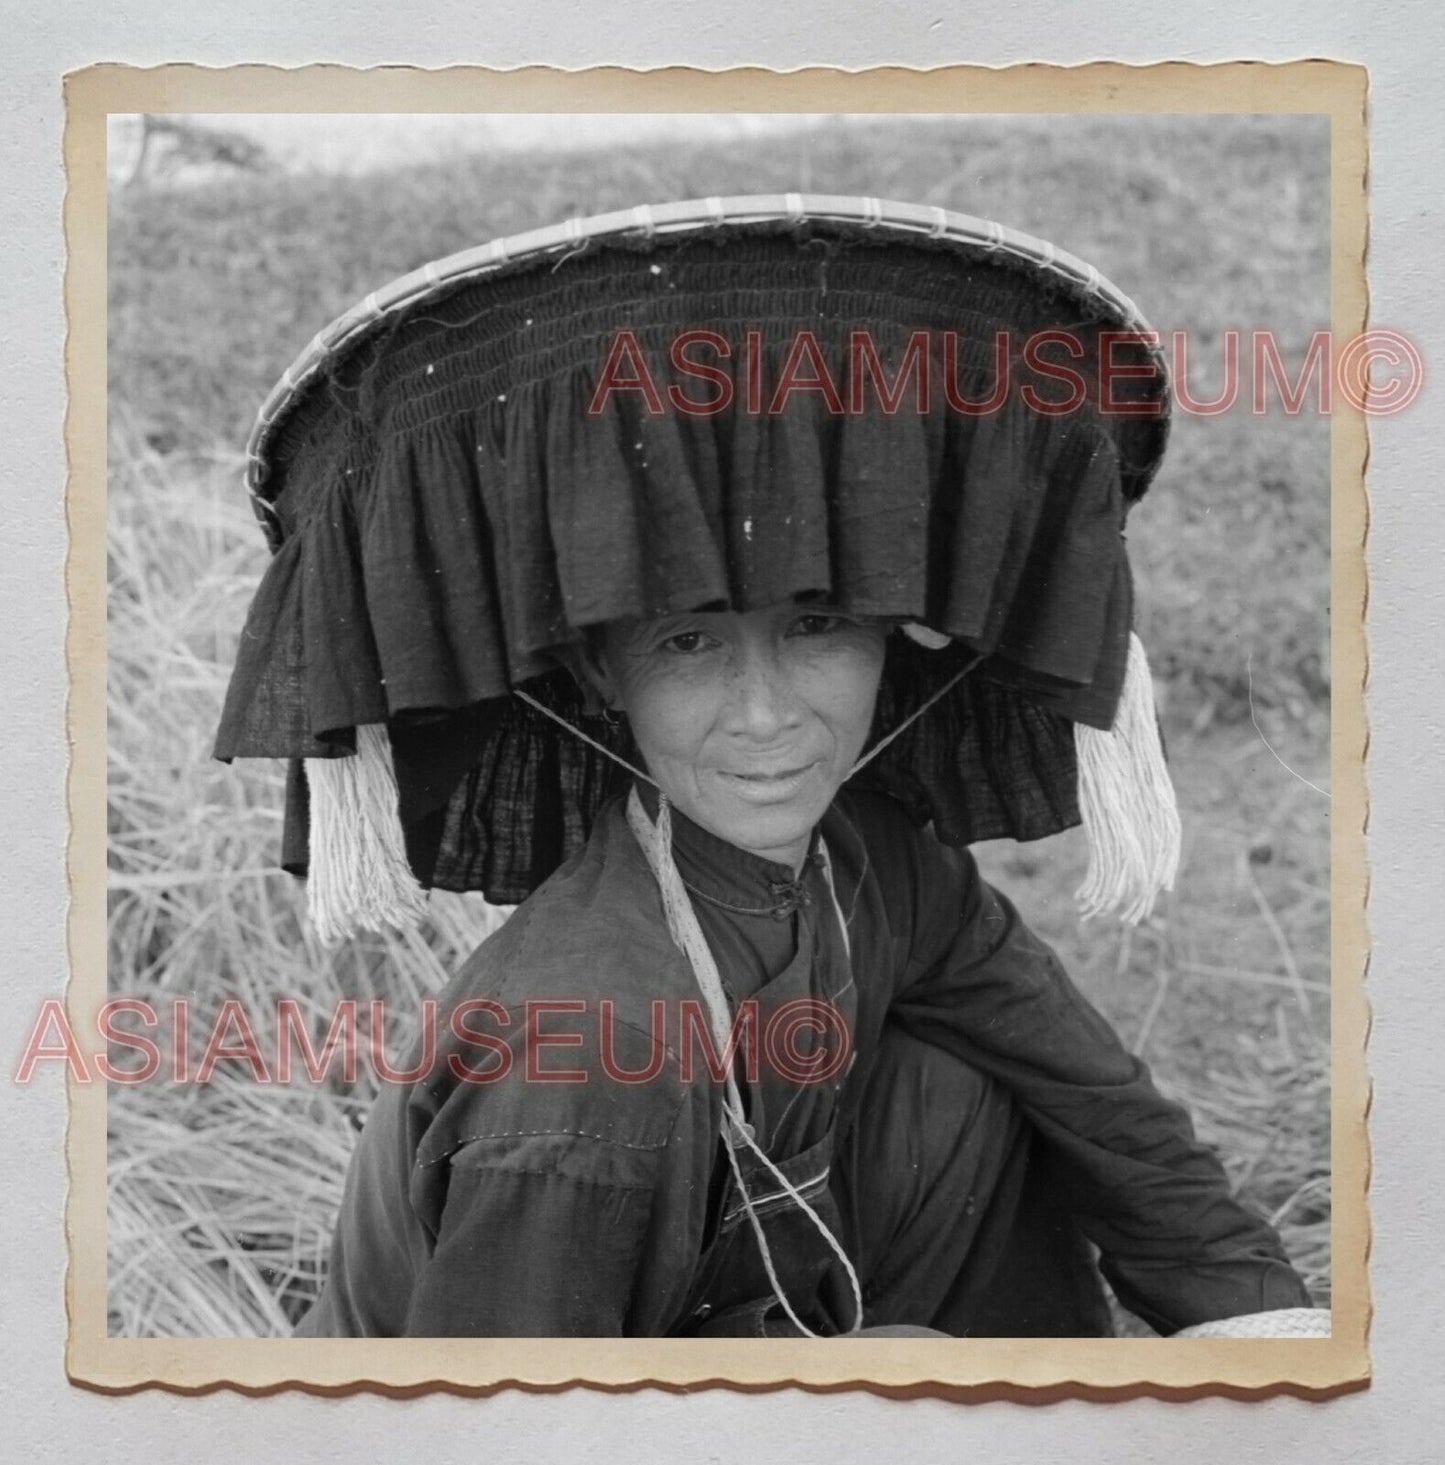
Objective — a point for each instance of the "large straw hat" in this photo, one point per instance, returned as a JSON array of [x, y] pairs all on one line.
[[712, 404]]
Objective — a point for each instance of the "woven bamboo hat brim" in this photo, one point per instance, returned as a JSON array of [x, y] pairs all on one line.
[[463, 473]]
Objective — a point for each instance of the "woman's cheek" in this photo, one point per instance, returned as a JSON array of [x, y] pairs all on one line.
[[844, 676], [669, 705]]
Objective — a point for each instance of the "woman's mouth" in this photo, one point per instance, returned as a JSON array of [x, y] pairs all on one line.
[[768, 787]]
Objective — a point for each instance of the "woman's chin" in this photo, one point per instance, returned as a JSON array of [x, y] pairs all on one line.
[[771, 816]]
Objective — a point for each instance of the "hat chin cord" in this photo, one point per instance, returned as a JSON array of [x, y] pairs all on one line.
[[360, 878], [1126, 798]]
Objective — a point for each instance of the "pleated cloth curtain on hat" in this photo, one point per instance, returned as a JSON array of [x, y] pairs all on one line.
[[469, 487]]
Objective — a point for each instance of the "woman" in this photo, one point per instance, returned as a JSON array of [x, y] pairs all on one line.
[[758, 1053]]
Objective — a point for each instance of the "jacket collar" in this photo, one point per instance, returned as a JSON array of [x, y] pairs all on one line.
[[733, 878]]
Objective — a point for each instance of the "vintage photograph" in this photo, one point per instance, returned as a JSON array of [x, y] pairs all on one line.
[[719, 726]]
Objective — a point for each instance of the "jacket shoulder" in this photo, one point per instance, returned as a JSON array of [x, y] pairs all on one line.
[[561, 1025]]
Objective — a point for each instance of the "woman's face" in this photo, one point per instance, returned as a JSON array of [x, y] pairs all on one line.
[[748, 722]]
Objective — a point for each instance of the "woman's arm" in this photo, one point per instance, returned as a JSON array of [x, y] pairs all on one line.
[[536, 1251], [515, 1210], [1176, 1246]]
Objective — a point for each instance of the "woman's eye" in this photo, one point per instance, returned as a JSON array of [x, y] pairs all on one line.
[[686, 643], [818, 624]]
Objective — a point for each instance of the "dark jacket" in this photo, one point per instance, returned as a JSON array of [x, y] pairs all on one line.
[[585, 1197]]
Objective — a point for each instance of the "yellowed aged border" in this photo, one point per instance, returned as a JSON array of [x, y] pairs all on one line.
[[1035, 1369]]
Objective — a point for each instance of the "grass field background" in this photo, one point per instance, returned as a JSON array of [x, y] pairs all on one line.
[[222, 1195]]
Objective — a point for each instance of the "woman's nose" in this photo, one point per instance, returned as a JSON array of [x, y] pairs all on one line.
[[761, 702]]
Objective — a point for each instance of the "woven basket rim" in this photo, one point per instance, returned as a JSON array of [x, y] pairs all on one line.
[[906, 220]]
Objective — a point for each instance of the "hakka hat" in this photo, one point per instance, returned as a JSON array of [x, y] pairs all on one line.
[[723, 404]]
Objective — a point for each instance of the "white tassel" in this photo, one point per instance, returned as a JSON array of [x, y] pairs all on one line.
[[358, 877], [1128, 804]]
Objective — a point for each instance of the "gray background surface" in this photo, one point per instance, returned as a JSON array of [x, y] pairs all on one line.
[[1395, 1420]]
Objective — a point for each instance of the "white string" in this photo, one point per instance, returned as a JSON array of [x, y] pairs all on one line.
[[682, 923], [765, 1251], [862, 762], [577, 732], [913, 716], [656, 844], [827, 863]]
